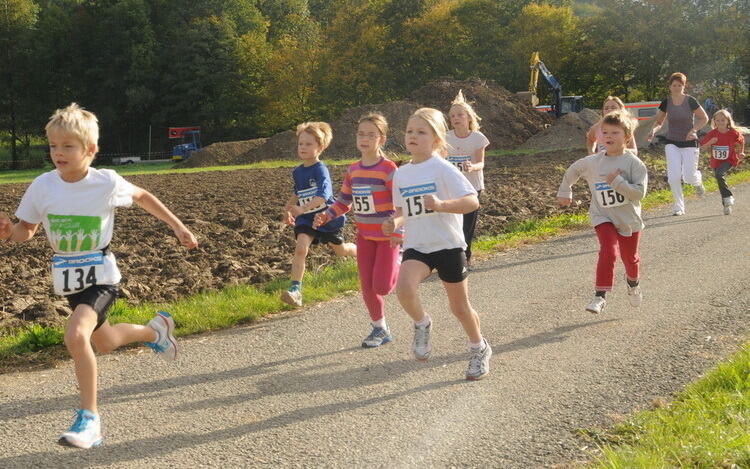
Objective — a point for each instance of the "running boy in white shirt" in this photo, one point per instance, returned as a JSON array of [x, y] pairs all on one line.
[[430, 195], [76, 205]]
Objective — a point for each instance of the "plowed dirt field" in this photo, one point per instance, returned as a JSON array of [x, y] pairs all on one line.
[[236, 217]]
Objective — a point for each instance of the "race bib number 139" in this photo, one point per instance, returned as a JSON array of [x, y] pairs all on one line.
[[721, 152], [414, 199]]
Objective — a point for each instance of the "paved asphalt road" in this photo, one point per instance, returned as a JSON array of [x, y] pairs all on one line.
[[298, 391]]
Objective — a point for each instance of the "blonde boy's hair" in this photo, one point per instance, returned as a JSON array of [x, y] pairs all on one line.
[[617, 101], [320, 130], [436, 120], [77, 121], [623, 119], [474, 119]]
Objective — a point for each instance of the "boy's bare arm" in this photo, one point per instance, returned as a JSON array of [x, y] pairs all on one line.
[[150, 203], [19, 232]]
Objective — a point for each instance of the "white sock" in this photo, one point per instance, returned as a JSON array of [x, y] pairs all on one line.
[[424, 322], [380, 323], [477, 346]]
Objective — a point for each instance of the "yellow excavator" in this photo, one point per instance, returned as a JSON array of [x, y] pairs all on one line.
[[561, 104]]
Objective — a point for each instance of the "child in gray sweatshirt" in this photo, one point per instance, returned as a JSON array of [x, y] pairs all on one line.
[[617, 180]]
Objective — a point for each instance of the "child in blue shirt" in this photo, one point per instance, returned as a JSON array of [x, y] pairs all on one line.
[[313, 193]]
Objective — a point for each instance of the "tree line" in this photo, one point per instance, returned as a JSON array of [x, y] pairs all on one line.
[[247, 68]]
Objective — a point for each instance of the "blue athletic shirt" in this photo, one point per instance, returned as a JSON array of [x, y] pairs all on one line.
[[315, 181]]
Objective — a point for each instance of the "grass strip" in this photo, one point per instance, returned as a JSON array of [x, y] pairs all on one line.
[[708, 425]]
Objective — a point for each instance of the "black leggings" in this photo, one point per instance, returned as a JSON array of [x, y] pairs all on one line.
[[470, 223]]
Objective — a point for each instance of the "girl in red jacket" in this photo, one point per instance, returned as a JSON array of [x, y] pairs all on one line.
[[727, 147]]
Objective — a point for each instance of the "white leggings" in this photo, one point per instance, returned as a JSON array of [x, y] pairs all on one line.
[[682, 163]]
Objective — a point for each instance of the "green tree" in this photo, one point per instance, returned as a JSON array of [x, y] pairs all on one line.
[[17, 20]]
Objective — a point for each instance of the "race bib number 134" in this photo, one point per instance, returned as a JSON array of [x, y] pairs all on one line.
[[72, 274]]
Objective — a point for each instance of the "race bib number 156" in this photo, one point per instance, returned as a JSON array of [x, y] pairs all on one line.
[[608, 197]]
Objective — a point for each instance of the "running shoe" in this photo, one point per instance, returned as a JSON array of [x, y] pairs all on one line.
[[377, 337], [85, 432], [700, 191], [635, 296], [728, 202], [678, 213], [479, 362], [165, 345], [421, 345], [292, 297], [597, 305]]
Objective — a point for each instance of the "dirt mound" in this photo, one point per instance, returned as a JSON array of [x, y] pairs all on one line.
[[343, 145], [569, 131], [507, 121], [221, 153]]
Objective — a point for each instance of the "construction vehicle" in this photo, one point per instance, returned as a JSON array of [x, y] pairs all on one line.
[[190, 141], [560, 104]]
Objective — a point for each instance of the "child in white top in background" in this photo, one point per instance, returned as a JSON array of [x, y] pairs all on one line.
[[466, 146], [430, 195], [594, 137], [617, 180]]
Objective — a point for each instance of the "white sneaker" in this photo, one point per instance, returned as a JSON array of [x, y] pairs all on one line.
[[165, 345], [479, 362], [85, 432], [678, 213], [728, 202], [597, 305], [700, 191], [421, 345], [727, 210], [292, 297], [635, 296]]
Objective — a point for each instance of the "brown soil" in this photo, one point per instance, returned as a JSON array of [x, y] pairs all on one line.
[[221, 153], [235, 216], [507, 121], [569, 131]]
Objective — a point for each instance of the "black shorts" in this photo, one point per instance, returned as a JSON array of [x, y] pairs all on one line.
[[333, 237], [450, 263], [99, 297]]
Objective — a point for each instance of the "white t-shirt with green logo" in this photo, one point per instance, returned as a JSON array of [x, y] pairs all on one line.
[[78, 217]]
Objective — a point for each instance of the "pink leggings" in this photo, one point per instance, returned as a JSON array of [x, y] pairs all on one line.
[[609, 240], [378, 266]]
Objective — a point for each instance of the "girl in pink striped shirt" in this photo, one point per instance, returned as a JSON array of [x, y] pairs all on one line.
[[367, 191]]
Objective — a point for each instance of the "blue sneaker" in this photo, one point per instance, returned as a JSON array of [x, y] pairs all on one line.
[[165, 345], [86, 431], [377, 337]]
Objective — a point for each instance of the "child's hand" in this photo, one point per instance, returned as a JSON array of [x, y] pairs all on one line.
[[431, 202], [6, 226], [186, 238], [564, 201], [611, 176], [320, 219], [650, 136], [712, 141], [295, 210], [288, 218], [467, 167], [389, 226]]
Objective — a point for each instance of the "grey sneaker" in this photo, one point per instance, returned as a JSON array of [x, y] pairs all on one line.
[[597, 305], [165, 345], [479, 363], [700, 191], [421, 345], [377, 337], [292, 297], [635, 296], [728, 202]]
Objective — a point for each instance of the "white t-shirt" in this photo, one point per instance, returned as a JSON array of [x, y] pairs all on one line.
[[461, 148], [428, 231], [79, 216]]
